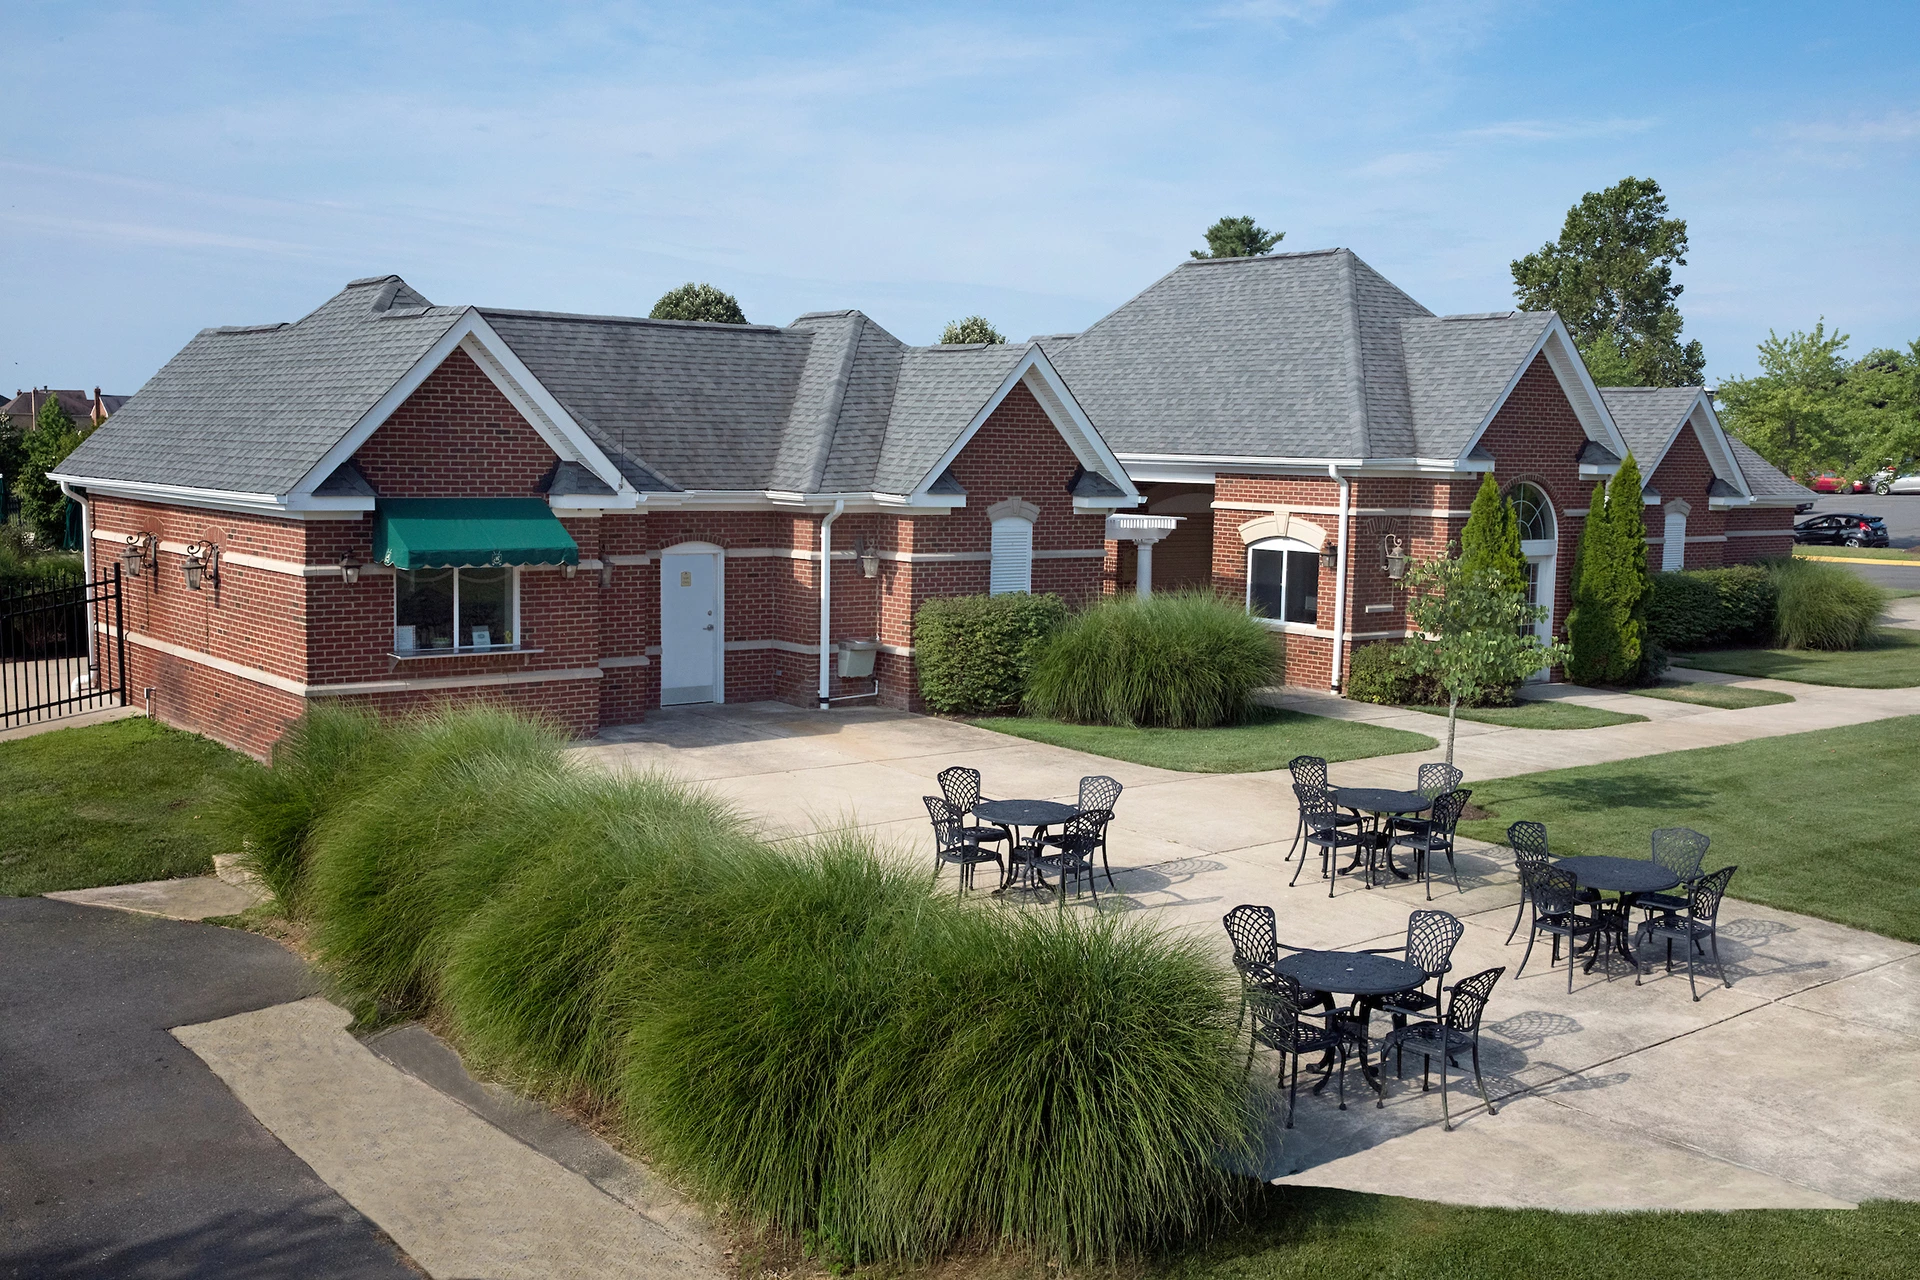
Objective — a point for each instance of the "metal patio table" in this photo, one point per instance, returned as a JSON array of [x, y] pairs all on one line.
[[1628, 877], [1037, 815], [1384, 804], [1359, 974]]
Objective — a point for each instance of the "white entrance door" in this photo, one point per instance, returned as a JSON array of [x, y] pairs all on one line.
[[689, 628], [1540, 592]]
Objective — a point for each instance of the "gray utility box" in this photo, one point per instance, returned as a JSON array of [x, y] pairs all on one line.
[[856, 658]]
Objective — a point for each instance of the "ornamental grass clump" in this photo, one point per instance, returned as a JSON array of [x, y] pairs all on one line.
[[814, 1036], [1822, 606], [1178, 660]]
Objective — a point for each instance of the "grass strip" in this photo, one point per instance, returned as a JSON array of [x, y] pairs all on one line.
[[1818, 822], [1889, 660], [1541, 715], [1724, 697], [1811, 552], [1268, 738], [114, 803]]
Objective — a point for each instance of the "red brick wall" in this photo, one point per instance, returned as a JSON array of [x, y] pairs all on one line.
[[456, 436], [1686, 474], [1774, 525]]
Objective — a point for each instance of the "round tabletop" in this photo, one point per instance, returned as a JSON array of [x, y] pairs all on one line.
[[1024, 813], [1353, 973], [1381, 800], [1619, 875]]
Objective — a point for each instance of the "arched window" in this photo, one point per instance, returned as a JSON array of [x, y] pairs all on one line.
[[1535, 514], [1283, 579]]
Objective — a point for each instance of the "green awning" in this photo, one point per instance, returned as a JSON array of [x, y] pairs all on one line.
[[436, 533]]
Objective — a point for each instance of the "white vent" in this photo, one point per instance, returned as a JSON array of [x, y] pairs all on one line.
[[1012, 556]]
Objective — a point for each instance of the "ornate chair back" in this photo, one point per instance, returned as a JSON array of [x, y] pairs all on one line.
[[1256, 943], [1308, 771], [1436, 779], [961, 786], [1431, 936], [1446, 811], [1555, 892], [1680, 850], [1469, 1001], [1099, 793], [1703, 903]]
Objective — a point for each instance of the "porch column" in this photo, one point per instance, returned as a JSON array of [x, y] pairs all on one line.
[[1143, 532]]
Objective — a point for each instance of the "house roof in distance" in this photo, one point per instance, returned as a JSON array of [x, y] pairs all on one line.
[[1651, 418]]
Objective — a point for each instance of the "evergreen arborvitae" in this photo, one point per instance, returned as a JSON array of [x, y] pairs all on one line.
[[1607, 627], [1491, 540], [1632, 584], [1590, 627]]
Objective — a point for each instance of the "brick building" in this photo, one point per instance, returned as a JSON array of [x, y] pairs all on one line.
[[395, 503], [1296, 423]]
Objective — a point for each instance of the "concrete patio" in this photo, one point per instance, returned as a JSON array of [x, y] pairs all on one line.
[[1799, 1087]]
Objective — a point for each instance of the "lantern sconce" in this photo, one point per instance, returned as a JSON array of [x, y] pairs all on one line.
[[1393, 557], [142, 550], [349, 569], [1330, 557], [202, 564], [868, 557], [568, 570]]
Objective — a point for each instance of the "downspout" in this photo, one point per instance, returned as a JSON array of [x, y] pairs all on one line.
[[86, 566], [1340, 573], [826, 599]]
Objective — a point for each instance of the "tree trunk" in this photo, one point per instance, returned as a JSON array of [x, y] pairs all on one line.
[[1453, 705]]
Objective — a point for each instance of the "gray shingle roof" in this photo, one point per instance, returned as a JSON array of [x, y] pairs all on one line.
[[1647, 417], [1308, 355], [1766, 482], [252, 409]]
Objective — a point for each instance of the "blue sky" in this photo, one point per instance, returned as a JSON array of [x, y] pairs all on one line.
[[168, 167]]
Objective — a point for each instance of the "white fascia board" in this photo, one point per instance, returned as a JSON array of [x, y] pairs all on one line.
[[514, 380], [780, 500], [1707, 427], [282, 506], [1148, 468], [1104, 506], [1571, 371]]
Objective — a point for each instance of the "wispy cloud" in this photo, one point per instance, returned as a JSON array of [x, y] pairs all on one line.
[[1891, 127], [1558, 130]]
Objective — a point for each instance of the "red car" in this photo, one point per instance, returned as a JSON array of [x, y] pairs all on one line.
[[1834, 482]]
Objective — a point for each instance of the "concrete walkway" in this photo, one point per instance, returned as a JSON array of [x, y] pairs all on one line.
[[1618, 1096]]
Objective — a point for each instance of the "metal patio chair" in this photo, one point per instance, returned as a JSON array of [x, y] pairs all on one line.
[[1321, 817], [1699, 920], [961, 786], [1436, 839], [956, 843], [1310, 774], [1458, 1030], [1556, 910], [1282, 1023]]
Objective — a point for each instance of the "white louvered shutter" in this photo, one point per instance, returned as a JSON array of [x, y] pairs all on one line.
[[1012, 568]]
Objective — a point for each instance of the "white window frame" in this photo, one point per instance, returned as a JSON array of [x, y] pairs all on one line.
[[513, 610], [1285, 544]]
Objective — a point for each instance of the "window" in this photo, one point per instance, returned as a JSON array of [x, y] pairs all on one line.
[[451, 609], [1012, 566], [1283, 580], [1533, 511]]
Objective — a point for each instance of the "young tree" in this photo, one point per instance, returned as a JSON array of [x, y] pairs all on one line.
[[1491, 540], [1239, 238], [1477, 633], [1792, 412], [970, 330], [698, 302], [42, 506], [1607, 626], [1611, 274]]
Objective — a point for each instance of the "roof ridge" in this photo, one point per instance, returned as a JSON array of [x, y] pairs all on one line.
[[1360, 416], [581, 317], [836, 401], [1262, 257]]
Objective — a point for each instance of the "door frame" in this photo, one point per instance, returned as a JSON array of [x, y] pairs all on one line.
[[719, 555]]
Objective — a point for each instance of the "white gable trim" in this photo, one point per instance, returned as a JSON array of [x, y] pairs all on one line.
[[471, 333], [1075, 428], [1713, 443], [1571, 372]]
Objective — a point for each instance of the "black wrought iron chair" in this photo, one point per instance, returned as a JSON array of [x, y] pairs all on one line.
[[1098, 795], [1528, 840], [1556, 910], [1683, 851], [1282, 1022], [1432, 781], [1435, 839], [1458, 1030], [1309, 774], [1067, 854], [956, 843], [1700, 920], [1324, 832], [1431, 938], [961, 786]]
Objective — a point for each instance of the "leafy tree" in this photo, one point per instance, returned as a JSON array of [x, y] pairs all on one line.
[[1792, 412], [970, 330], [1478, 633], [1607, 626], [42, 506], [1491, 540], [1610, 276], [13, 456], [698, 302], [1239, 238]]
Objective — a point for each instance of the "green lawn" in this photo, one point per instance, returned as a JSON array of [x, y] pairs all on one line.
[[1819, 823], [1892, 661], [109, 803], [1309, 1233], [1726, 697], [1270, 739], [1540, 715], [1856, 553]]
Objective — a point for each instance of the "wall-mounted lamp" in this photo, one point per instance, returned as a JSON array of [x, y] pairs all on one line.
[[1329, 557], [568, 570], [202, 563], [1393, 557], [869, 558], [349, 569], [142, 550]]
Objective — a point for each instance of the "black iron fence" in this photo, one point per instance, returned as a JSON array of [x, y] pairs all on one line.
[[63, 649]]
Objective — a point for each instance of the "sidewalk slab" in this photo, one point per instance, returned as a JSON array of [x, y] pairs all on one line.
[[188, 898]]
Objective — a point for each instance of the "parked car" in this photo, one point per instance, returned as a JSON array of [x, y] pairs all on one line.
[[1840, 529], [1829, 482], [1885, 482]]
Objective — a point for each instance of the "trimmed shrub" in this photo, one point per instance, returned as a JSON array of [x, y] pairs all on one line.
[[974, 654], [1379, 672], [25, 566], [820, 1038], [1822, 606], [1711, 608], [1179, 660]]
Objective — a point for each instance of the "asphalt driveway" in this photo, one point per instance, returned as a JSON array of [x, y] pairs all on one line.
[[121, 1154]]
